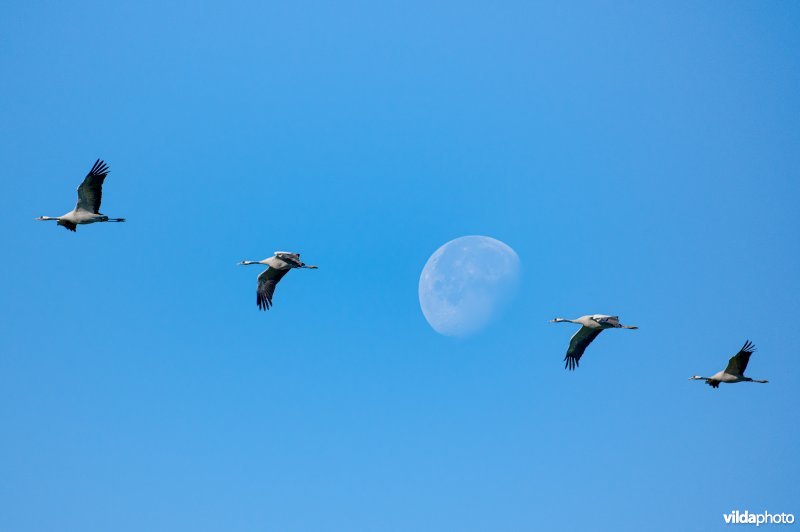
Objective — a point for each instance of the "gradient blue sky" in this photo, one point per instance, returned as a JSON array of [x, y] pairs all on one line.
[[641, 158]]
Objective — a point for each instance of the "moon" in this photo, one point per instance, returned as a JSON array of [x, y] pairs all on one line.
[[465, 284]]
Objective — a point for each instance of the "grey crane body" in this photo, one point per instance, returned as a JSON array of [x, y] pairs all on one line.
[[277, 266], [591, 326], [734, 372], [90, 194]]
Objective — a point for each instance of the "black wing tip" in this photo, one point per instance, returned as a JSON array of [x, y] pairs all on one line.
[[748, 347], [99, 168], [571, 363], [263, 302]]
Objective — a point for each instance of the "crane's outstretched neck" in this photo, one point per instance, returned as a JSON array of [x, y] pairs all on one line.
[[310, 267], [628, 326], [45, 218], [760, 382], [116, 220], [248, 262], [562, 320]]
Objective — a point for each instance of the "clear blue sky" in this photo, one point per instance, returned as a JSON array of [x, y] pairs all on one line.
[[641, 158]]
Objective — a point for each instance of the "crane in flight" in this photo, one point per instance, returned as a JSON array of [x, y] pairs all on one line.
[[734, 372], [277, 266], [87, 210], [591, 326]]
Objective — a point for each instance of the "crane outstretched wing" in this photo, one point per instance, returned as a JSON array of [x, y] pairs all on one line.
[[578, 344], [738, 362], [267, 282], [90, 193]]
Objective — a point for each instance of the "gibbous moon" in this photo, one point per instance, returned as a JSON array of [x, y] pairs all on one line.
[[466, 282]]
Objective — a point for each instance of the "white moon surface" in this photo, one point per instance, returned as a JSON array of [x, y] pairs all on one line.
[[466, 282]]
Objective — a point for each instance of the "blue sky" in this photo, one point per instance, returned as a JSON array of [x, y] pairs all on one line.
[[641, 158]]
